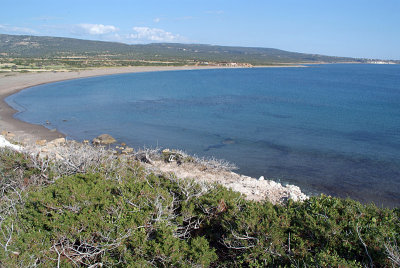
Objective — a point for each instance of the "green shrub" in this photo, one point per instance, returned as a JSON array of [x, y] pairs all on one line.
[[85, 219], [323, 231], [129, 217]]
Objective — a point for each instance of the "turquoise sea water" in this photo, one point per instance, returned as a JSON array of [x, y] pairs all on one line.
[[327, 128]]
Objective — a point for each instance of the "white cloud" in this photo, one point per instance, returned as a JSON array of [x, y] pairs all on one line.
[[15, 29], [97, 29], [143, 34], [157, 20]]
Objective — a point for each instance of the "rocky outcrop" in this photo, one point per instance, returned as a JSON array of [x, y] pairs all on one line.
[[104, 139], [170, 156], [41, 142], [178, 163], [251, 188], [127, 150], [8, 134], [5, 143], [58, 142]]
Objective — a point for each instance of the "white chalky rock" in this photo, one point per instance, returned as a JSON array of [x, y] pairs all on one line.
[[6, 143], [273, 184], [261, 178]]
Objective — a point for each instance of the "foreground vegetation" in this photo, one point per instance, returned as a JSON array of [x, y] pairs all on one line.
[[102, 210]]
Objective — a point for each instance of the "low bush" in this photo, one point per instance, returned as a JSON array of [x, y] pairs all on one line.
[[126, 216]]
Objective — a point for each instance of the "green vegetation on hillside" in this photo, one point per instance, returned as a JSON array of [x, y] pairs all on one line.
[[103, 210], [17, 51]]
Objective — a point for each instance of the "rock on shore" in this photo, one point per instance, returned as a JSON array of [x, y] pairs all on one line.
[[104, 139], [252, 188]]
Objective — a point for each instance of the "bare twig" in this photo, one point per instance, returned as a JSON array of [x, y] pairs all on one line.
[[365, 246], [393, 252]]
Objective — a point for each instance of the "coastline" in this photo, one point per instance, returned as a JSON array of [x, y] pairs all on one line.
[[43, 141], [11, 84]]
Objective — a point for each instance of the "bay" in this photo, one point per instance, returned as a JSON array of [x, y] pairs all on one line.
[[326, 128]]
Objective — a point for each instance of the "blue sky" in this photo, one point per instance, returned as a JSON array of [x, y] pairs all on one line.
[[355, 28]]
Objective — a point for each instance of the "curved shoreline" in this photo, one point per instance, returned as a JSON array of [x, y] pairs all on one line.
[[25, 132], [28, 134]]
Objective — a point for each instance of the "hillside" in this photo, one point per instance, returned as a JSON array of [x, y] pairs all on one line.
[[22, 46], [86, 206]]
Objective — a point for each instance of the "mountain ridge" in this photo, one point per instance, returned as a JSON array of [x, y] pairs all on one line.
[[48, 46]]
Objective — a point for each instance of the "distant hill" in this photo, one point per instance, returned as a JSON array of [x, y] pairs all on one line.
[[49, 47]]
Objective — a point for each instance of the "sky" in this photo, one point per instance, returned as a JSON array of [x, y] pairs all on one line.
[[351, 28]]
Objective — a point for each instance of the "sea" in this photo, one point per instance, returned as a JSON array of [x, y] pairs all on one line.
[[332, 128]]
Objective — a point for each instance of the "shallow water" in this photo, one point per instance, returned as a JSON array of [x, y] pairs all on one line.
[[327, 128]]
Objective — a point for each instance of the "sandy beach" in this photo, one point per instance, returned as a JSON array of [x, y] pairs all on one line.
[[11, 83]]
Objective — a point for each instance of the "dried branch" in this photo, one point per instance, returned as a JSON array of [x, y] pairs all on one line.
[[364, 245], [393, 252]]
